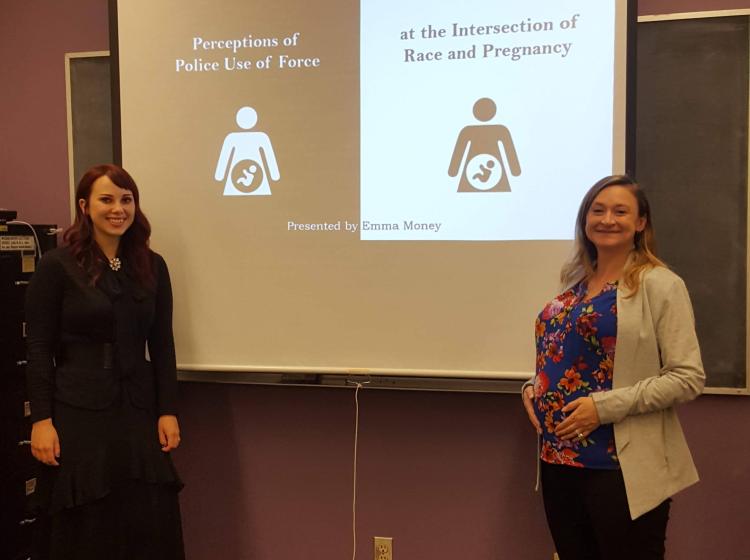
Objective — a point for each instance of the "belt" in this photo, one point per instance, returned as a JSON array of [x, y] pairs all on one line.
[[87, 354]]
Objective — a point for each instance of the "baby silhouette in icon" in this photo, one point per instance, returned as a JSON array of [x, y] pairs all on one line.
[[248, 176], [485, 172], [478, 154], [247, 162]]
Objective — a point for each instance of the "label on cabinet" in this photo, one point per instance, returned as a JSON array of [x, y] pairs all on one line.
[[17, 243], [30, 486]]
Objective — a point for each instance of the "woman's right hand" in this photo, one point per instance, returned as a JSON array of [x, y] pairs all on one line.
[[45, 446], [528, 404]]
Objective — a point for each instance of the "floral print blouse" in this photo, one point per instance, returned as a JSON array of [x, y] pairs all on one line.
[[575, 349]]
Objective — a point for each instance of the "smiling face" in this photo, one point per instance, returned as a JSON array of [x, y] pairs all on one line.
[[110, 208], [613, 220]]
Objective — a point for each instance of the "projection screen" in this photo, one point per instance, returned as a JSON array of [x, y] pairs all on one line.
[[374, 187]]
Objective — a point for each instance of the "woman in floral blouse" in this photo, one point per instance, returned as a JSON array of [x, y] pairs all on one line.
[[615, 352]]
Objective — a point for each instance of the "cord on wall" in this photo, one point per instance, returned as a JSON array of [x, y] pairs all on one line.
[[359, 385]]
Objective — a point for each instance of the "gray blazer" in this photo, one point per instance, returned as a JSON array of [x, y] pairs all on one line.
[[657, 365]]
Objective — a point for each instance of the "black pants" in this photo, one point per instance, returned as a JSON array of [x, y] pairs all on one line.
[[588, 516]]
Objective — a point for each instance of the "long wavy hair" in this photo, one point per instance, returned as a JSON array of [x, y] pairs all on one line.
[[133, 243], [582, 264]]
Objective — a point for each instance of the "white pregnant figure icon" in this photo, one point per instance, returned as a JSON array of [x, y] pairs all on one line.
[[247, 163]]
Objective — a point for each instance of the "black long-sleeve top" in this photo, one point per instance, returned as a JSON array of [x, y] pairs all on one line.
[[86, 345]]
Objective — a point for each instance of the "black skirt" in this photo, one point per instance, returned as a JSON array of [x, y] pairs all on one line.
[[114, 494]]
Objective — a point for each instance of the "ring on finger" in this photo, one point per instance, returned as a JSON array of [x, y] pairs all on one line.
[[580, 435]]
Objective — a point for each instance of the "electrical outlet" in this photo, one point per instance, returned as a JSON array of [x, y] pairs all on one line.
[[383, 548]]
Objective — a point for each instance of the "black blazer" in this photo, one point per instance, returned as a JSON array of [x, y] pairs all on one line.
[[86, 344]]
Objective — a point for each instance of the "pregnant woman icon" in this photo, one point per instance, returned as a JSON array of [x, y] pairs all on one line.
[[478, 154], [247, 162]]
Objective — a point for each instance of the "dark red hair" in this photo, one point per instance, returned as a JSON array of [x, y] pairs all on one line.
[[134, 242]]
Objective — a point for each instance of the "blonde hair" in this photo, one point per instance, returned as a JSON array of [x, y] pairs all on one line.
[[582, 264]]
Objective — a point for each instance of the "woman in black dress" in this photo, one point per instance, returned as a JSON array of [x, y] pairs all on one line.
[[102, 384]]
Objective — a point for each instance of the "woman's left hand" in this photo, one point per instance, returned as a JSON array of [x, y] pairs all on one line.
[[169, 432], [582, 419]]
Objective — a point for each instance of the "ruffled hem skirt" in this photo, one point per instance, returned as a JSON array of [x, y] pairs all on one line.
[[115, 493]]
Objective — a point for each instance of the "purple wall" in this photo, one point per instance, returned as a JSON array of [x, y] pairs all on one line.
[[269, 469], [649, 7], [34, 37], [447, 475]]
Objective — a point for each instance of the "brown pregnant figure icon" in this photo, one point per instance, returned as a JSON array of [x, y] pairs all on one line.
[[478, 155]]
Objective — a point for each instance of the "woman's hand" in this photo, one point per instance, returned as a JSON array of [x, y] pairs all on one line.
[[169, 432], [45, 445], [582, 419], [528, 404]]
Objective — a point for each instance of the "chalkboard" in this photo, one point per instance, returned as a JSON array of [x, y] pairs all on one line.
[[90, 112], [691, 158]]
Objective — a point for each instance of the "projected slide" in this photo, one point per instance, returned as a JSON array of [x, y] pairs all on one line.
[[367, 186], [483, 120]]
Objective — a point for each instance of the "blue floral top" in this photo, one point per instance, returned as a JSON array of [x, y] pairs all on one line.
[[575, 349]]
